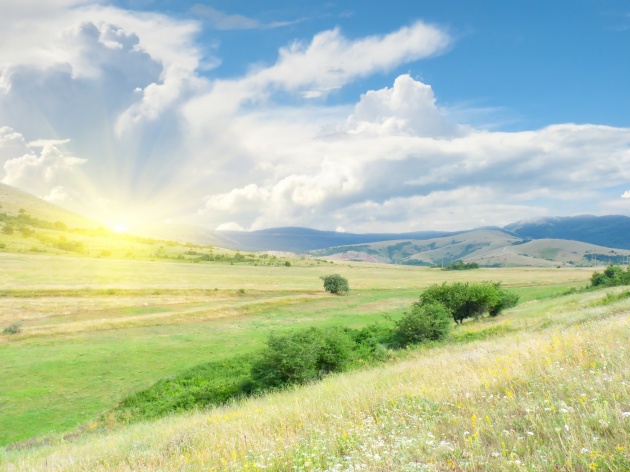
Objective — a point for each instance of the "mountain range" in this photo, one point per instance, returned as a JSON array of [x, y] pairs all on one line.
[[607, 231]]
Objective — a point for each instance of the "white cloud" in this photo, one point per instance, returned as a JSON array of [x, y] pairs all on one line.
[[12, 144], [59, 195], [408, 108], [422, 172], [231, 226], [41, 167], [626, 194], [331, 60], [40, 172], [124, 86], [88, 40], [312, 70]]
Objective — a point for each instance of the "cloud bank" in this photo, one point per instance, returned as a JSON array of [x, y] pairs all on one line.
[[125, 114]]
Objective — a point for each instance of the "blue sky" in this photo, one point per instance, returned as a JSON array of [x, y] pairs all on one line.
[[357, 116], [540, 62]]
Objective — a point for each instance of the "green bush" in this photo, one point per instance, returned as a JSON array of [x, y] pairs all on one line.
[[506, 300], [431, 322], [336, 350], [335, 283], [469, 300], [461, 265], [613, 276], [301, 356]]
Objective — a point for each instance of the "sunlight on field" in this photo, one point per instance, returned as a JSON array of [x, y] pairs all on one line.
[[96, 330], [550, 399], [49, 272]]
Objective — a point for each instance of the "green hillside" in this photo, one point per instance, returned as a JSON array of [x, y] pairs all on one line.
[[526, 391]]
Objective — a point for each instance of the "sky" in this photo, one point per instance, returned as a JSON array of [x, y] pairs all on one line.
[[350, 116]]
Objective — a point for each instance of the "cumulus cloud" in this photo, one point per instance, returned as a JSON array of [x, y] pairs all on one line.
[[408, 108], [394, 162], [88, 40], [108, 78], [626, 194], [327, 63], [41, 173], [147, 129]]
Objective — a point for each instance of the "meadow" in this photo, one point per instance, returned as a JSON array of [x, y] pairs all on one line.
[[96, 330], [542, 387]]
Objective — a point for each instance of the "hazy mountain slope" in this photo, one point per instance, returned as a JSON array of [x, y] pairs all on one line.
[[606, 231], [291, 239], [428, 252], [550, 252], [13, 200], [487, 248], [609, 231]]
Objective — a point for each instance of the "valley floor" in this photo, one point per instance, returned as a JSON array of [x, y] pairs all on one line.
[[543, 387]]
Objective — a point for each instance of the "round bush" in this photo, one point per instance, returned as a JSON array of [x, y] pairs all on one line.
[[430, 322], [335, 283]]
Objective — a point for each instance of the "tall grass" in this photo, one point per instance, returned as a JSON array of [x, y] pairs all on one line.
[[552, 399]]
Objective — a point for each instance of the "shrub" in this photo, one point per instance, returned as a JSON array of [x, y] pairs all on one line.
[[13, 328], [336, 350], [431, 322], [613, 276], [506, 300], [303, 355], [335, 283], [461, 265], [466, 300], [288, 358]]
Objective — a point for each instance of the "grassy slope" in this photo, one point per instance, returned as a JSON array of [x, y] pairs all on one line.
[[82, 350], [13, 200], [549, 252], [430, 251], [552, 395]]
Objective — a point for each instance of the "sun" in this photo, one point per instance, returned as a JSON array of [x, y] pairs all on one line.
[[120, 228]]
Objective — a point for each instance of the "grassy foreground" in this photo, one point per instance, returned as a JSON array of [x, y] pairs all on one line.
[[553, 395], [97, 330]]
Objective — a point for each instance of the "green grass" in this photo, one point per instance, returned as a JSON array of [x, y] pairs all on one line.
[[525, 398], [97, 330]]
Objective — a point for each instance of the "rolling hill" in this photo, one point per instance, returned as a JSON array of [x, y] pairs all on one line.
[[485, 247], [605, 231], [13, 200]]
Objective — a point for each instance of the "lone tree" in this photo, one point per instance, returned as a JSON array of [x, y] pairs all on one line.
[[335, 283]]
